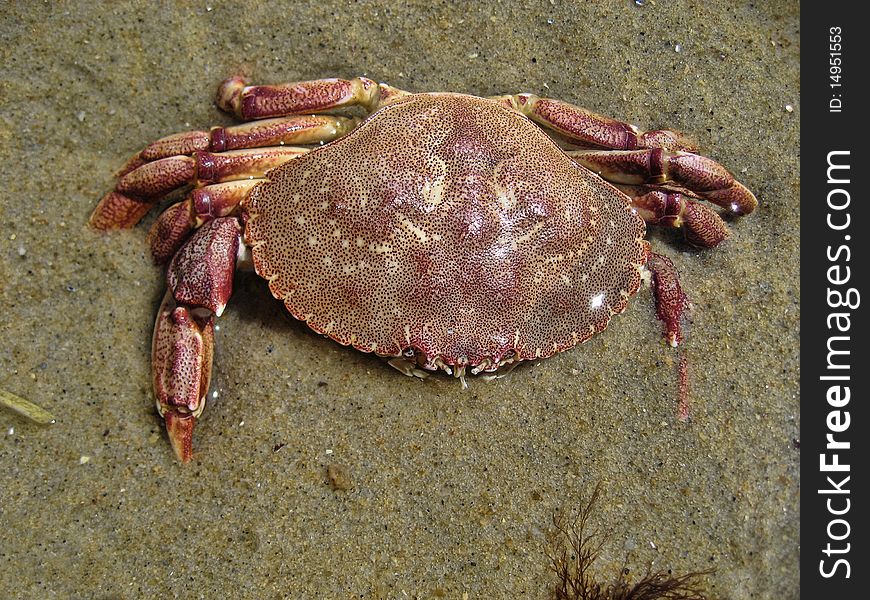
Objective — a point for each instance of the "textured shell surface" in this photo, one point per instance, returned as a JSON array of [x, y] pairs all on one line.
[[450, 228]]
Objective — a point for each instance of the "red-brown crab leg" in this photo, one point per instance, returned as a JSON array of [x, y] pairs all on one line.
[[302, 97], [654, 166], [702, 226], [139, 189], [671, 302], [646, 157], [199, 281], [165, 165], [174, 224], [290, 130], [181, 351], [587, 128]]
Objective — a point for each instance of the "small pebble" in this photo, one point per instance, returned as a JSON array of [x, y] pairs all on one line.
[[338, 477]]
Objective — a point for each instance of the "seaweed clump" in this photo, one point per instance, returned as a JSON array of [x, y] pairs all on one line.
[[573, 549]]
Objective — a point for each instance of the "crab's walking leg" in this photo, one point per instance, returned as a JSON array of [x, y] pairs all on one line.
[[654, 166], [644, 157], [172, 161], [302, 97], [671, 305], [138, 190], [199, 281], [591, 129], [287, 131], [671, 302], [702, 226]]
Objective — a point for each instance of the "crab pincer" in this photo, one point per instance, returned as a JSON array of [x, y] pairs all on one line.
[[181, 354], [200, 280]]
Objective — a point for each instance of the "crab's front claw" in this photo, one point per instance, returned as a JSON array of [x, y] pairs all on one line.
[[179, 428], [181, 355]]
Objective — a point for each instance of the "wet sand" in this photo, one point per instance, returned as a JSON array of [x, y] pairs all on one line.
[[442, 492]]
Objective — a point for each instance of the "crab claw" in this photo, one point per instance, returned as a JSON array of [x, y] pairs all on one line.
[[181, 354], [179, 428], [201, 273]]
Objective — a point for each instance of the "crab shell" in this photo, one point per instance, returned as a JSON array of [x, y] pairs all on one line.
[[449, 230]]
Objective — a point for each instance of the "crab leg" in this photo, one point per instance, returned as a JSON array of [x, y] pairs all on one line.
[[634, 156], [671, 302], [181, 351], [302, 97], [591, 129], [170, 162], [199, 281], [300, 129], [698, 174], [174, 224], [702, 226], [139, 189]]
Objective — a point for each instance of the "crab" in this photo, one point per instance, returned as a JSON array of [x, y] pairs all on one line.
[[442, 231]]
